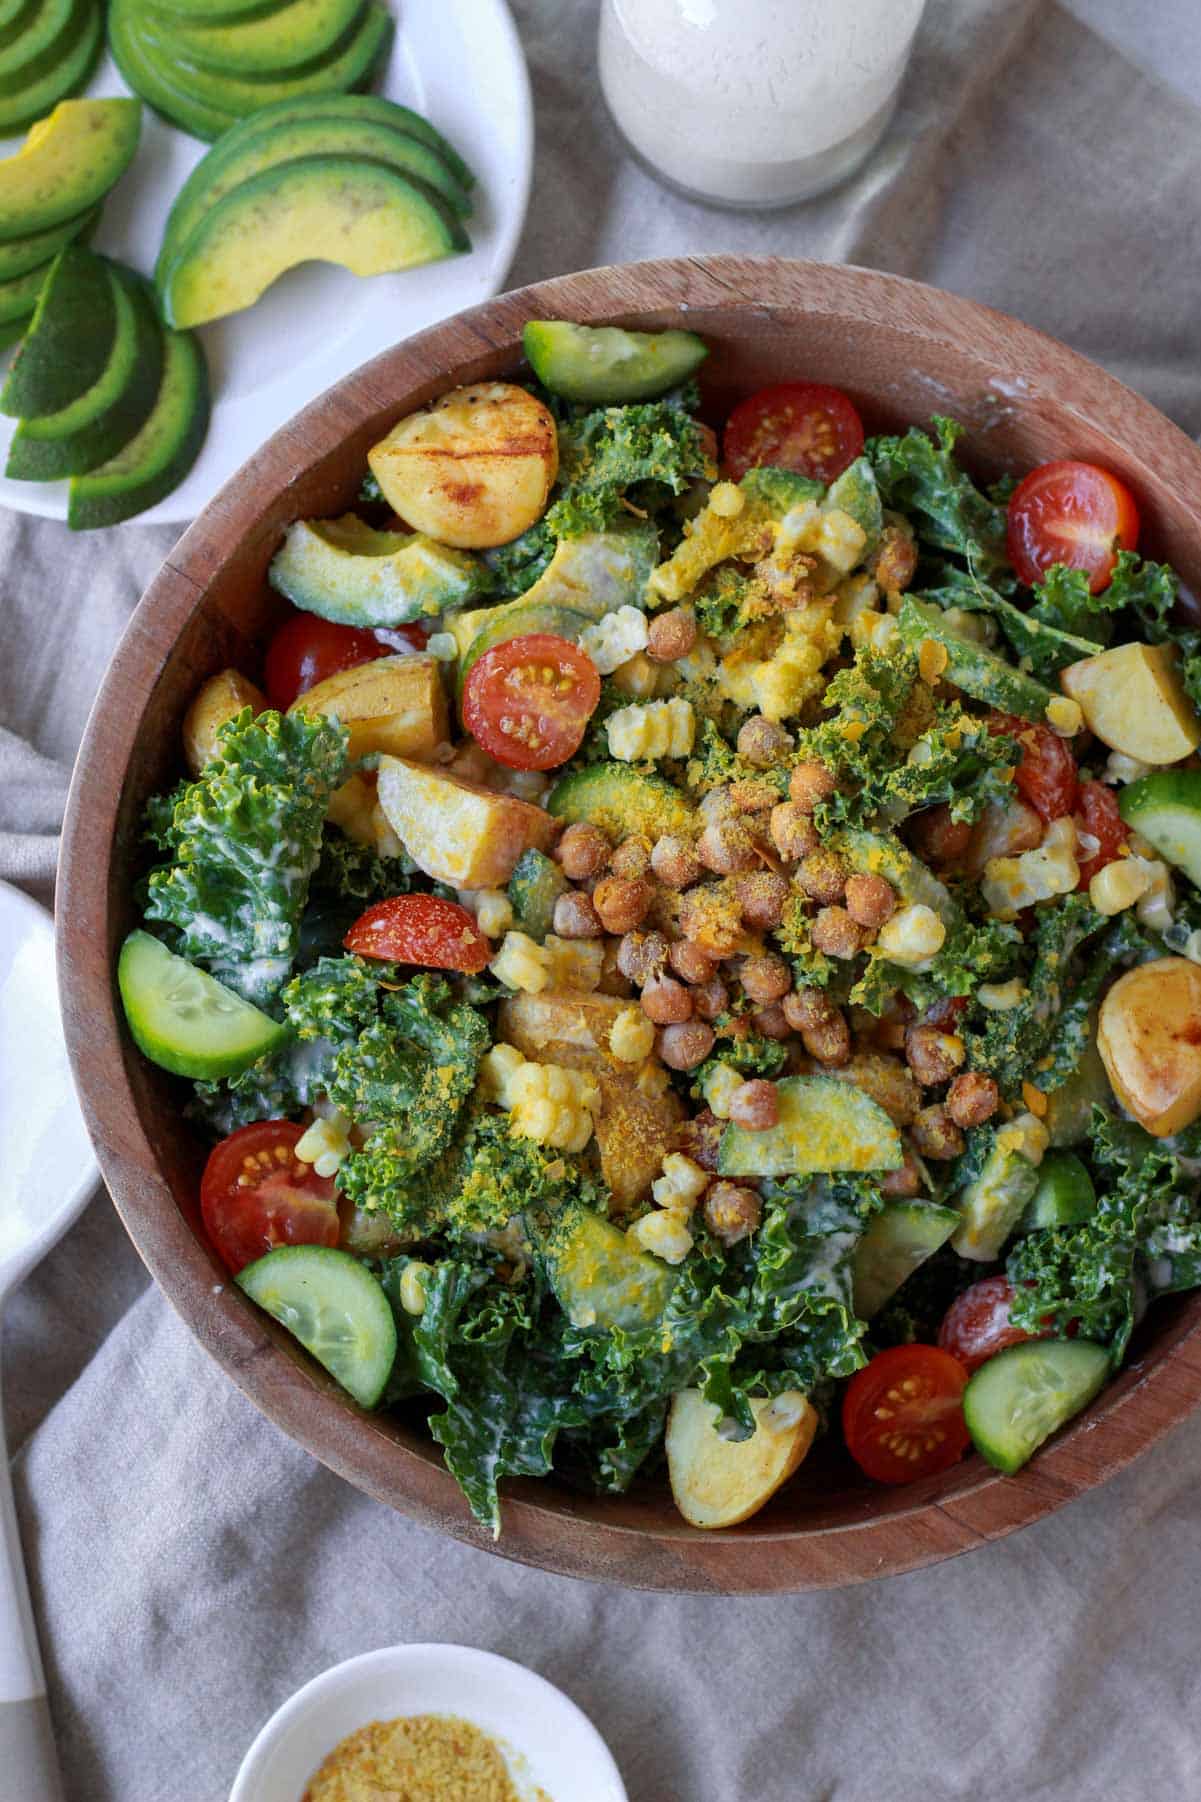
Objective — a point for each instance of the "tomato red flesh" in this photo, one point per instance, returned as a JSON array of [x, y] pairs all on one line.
[[1047, 776], [1072, 513], [977, 1326], [902, 1414], [527, 701], [256, 1194], [795, 425], [306, 650], [420, 929], [1097, 813]]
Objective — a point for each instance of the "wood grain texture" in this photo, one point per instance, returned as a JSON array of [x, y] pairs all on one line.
[[902, 351]]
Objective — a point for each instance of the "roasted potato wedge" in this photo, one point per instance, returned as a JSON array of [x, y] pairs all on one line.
[[394, 704], [718, 1482], [1133, 699], [456, 831], [474, 468], [222, 698], [1149, 1037]]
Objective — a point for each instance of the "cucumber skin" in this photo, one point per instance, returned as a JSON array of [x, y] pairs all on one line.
[[1065, 1195], [1094, 1365], [1166, 809], [315, 1257], [978, 671], [558, 352], [622, 801]]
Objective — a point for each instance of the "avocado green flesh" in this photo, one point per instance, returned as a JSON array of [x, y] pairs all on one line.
[[19, 296], [20, 255], [349, 63], [1166, 809], [80, 152], [515, 621], [14, 15], [824, 1125], [148, 78], [158, 457], [69, 341], [51, 32], [599, 1278], [66, 75], [95, 427], [534, 887], [368, 218], [991, 1206], [269, 43], [341, 570], [228, 165]]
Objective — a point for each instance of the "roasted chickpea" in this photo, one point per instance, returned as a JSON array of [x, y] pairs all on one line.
[[583, 851], [671, 635], [666, 1001], [709, 999], [685, 1046], [762, 742], [726, 848], [756, 1105], [718, 804], [810, 783], [835, 933], [732, 1212], [576, 918], [675, 863], [765, 978], [936, 837], [621, 905], [689, 962], [829, 1041], [870, 900], [641, 955], [712, 919], [807, 1007], [933, 1056], [700, 1138], [762, 895], [972, 1098], [896, 559], [631, 859], [935, 1134], [751, 794], [792, 831], [823, 876], [903, 1183], [771, 1023]]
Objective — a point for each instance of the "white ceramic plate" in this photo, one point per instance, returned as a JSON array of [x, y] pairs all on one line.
[[548, 1742], [457, 61], [47, 1171]]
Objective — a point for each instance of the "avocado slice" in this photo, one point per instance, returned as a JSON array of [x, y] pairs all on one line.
[[342, 570], [371, 109], [259, 43], [157, 83], [20, 255], [209, 11], [972, 667], [600, 1278], [70, 338], [68, 162], [14, 15], [19, 296], [587, 577], [95, 427], [234, 161], [368, 218], [43, 44], [158, 457], [31, 102]]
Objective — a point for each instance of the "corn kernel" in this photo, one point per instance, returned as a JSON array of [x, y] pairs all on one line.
[[1157, 907], [631, 1036], [727, 500], [841, 540], [999, 997], [521, 963], [325, 1144], [681, 1185], [575, 964], [720, 1085], [655, 729], [932, 660], [1035, 1100], [664, 1234], [498, 1069], [1064, 716], [1119, 885], [413, 1280], [913, 935]]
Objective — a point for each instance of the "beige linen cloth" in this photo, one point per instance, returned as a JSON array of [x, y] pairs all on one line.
[[191, 1567]]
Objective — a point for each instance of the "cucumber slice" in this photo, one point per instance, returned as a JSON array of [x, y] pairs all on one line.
[[824, 1125], [599, 1276], [1065, 1195], [534, 887], [184, 1019], [514, 620], [978, 671], [607, 366], [1023, 1395], [1166, 809], [623, 801], [900, 1238], [335, 1307]]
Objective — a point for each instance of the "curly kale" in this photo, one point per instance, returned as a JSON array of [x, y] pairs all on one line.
[[409, 1072], [244, 840], [970, 954], [615, 455], [1014, 1045], [915, 1313], [750, 1053], [1040, 643], [348, 871], [918, 475], [1145, 1237], [517, 565]]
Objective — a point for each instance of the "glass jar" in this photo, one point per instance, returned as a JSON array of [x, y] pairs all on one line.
[[754, 103]]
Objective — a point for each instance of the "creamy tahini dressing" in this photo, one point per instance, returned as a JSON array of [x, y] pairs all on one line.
[[757, 103]]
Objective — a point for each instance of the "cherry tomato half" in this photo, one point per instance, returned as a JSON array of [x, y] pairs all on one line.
[[796, 425], [1046, 776], [306, 650], [256, 1194], [1097, 813], [1071, 513], [902, 1414], [528, 700], [420, 929], [977, 1326]]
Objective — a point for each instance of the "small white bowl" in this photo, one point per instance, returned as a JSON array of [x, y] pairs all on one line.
[[549, 1742]]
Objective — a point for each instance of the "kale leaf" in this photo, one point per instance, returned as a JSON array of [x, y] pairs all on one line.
[[244, 840], [617, 455], [918, 475], [518, 564], [1017, 1044]]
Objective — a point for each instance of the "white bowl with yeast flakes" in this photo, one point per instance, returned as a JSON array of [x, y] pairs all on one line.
[[429, 1723]]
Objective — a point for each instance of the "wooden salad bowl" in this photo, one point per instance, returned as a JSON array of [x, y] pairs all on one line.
[[903, 351]]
